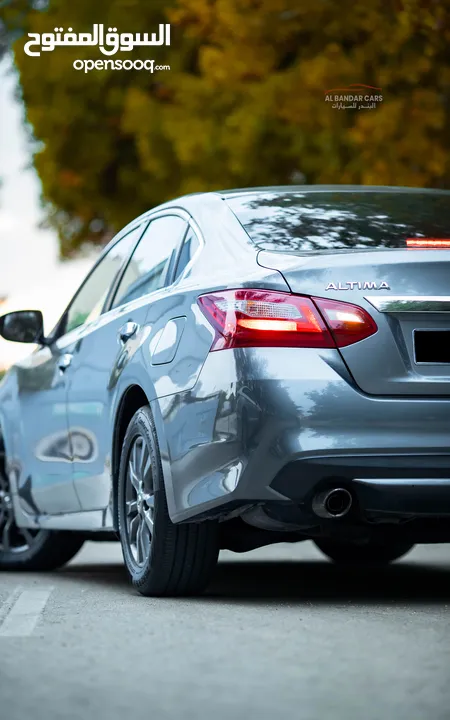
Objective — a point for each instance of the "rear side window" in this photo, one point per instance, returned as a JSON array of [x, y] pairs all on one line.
[[316, 222], [152, 259], [190, 246]]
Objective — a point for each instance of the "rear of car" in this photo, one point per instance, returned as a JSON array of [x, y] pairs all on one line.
[[293, 382], [342, 382]]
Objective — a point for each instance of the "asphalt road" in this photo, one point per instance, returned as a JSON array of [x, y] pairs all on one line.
[[281, 634]]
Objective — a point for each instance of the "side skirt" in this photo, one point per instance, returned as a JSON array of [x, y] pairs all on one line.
[[92, 520]]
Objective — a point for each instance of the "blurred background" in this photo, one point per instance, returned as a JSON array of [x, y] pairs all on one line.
[[243, 104]]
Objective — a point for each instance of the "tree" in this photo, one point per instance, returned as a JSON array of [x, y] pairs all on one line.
[[242, 105]]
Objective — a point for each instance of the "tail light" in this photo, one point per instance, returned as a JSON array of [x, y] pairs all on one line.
[[262, 318], [348, 323]]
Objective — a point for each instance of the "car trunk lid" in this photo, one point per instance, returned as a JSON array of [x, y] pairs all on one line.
[[407, 293]]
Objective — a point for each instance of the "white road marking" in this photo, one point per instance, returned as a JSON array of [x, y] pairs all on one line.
[[25, 613], [9, 602]]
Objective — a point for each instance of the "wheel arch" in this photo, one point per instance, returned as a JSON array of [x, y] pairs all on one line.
[[132, 400]]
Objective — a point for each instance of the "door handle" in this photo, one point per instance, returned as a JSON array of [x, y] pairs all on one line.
[[65, 361], [127, 331]]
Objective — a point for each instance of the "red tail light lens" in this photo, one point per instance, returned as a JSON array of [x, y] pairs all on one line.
[[348, 323], [262, 318]]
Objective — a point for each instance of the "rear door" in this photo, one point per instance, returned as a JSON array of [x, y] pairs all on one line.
[[386, 250], [113, 346]]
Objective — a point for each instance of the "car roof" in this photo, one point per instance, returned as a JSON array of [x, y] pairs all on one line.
[[191, 201], [302, 189]]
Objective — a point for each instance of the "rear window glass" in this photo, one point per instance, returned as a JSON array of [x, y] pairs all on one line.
[[317, 222]]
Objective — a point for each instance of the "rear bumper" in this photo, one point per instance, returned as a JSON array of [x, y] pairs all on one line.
[[279, 423], [415, 485], [425, 497]]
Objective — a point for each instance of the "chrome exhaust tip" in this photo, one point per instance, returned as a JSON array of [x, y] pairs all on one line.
[[334, 503]]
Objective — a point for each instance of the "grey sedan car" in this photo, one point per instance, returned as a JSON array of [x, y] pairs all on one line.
[[239, 368]]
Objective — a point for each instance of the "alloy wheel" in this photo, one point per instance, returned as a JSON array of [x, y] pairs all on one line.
[[139, 501], [12, 538]]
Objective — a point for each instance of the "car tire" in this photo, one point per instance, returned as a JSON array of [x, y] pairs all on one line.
[[27, 549], [47, 550], [162, 558], [345, 553]]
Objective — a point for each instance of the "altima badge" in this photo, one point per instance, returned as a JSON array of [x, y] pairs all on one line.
[[360, 285]]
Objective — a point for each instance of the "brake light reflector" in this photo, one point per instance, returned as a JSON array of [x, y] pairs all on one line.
[[437, 243], [263, 318]]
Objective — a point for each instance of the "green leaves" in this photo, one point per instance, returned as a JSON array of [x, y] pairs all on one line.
[[243, 103]]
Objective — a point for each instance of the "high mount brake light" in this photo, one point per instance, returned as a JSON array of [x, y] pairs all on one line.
[[262, 318], [430, 243]]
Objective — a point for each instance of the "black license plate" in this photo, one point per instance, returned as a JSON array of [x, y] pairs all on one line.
[[432, 346]]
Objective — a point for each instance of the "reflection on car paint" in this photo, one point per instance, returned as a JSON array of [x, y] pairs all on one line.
[[74, 444]]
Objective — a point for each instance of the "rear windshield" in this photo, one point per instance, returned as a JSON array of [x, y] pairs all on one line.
[[317, 222]]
